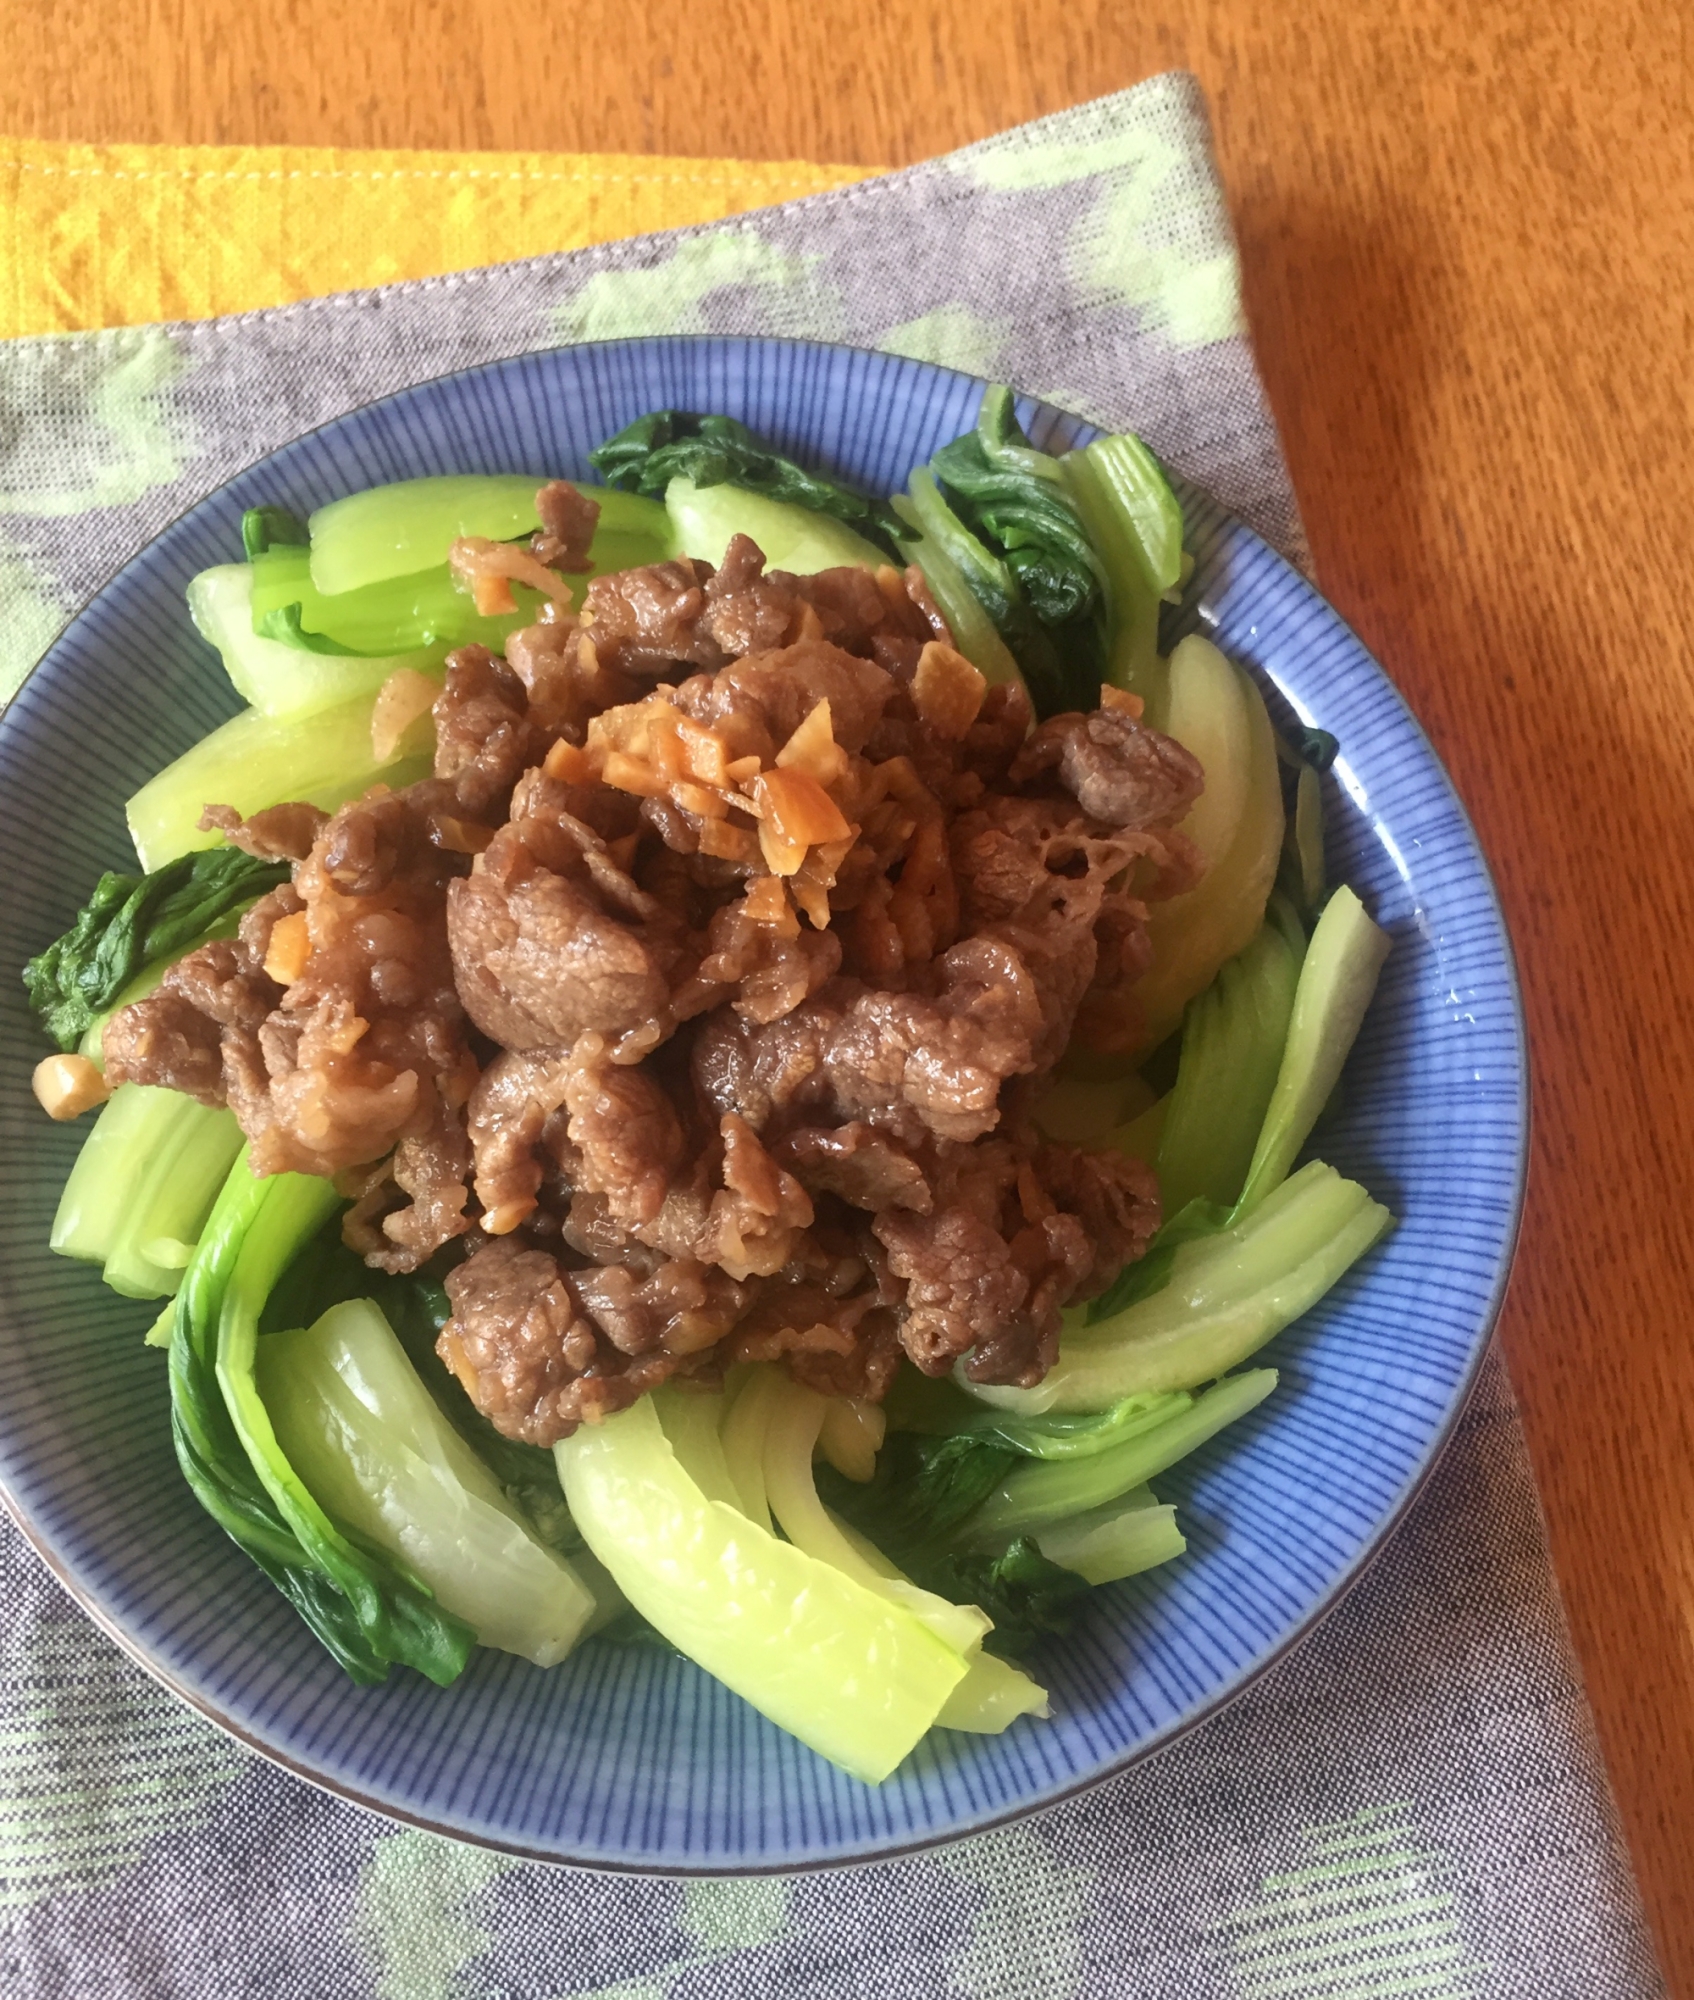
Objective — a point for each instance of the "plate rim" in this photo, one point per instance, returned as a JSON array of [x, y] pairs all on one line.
[[870, 1852]]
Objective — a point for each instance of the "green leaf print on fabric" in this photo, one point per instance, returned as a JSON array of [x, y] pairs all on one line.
[[412, 1916], [117, 432], [952, 337], [1041, 163], [68, 1821], [31, 618], [1027, 1940], [735, 1915], [668, 297], [1365, 1915]]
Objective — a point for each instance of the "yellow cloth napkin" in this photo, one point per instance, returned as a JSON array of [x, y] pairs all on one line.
[[120, 235]]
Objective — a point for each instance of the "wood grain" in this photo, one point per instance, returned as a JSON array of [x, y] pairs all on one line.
[[1468, 235]]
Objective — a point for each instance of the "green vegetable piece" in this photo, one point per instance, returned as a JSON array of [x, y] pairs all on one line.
[[1054, 685], [1132, 601], [1194, 934], [265, 528], [1141, 496], [1034, 1497], [1232, 1042], [1018, 498], [938, 1407], [132, 922], [397, 530], [142, 1187], [368, 1613], [791, 1437], [428, 612], [259, 760], [974, 632], [855, 1677], [1120, 1539], [1337, 980], [1227, 1292], [709, 451], [791, 537], [1029, 1597], [1302, 874], [291, 677], [375, 1451]]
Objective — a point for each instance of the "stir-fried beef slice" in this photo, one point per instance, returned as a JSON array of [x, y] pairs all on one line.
[[612, 815], [856, 1162], [747, 611], [625, 1129], [1118, 770], [568, 520], [526, 1351], [678, 1309], [563, 676], [782, 686], [485, 736], [646, 622], [962, 1283], [514, 1119], [433, 1169], [1115, 1198], [167, 1042], [855, 608], [908, 1063], [763, 971], [279, 833], [178, 1036], [543, 956], [799, 1317]]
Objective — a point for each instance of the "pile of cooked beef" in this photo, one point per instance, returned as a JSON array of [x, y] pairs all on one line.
[[704, 991]]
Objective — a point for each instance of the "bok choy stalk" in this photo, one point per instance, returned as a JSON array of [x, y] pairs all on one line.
[[368, 1612], [343, 595], [374, 1448], [1237, 822], [1122, 1538], [1034, 1497], [710, 451], [1226, 1294], [259, 760], [1337, 980], [143, 1186], [134, 922], [281, 678], [1232, 1043], [854, 1675]]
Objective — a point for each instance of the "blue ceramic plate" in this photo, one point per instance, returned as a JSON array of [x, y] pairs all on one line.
[[625, 1758]]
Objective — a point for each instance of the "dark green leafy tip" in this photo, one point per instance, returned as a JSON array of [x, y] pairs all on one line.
[[1009, 510], [283, 624], [1028, 1597], [265, 528], [1152, 1272], [664, 445], [1316, 747], [1017, 497], [923, 1487], [132, 922]]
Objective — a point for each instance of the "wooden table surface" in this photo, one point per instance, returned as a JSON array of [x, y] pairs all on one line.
[[1468, 235]]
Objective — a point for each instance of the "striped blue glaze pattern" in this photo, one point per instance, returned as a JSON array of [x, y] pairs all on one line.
[[624, 1758]]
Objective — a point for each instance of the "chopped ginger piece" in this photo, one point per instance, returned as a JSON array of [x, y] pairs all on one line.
[[947, 690], [289, 948]]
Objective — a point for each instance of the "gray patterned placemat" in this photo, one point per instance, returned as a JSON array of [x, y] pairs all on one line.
[[1411, 1804]]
